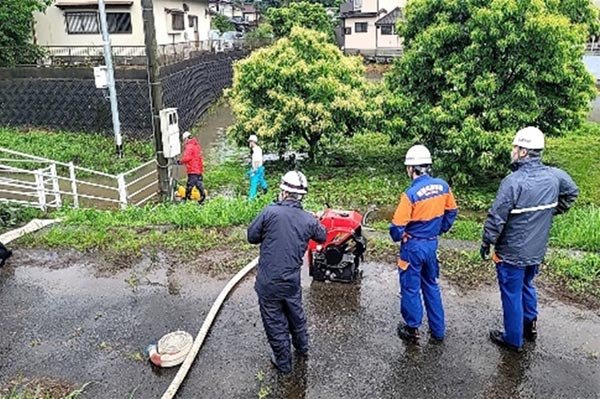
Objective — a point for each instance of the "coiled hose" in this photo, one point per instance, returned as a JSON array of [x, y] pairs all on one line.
[[191, 356]]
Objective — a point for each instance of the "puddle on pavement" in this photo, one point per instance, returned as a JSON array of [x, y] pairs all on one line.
[[91, 324]]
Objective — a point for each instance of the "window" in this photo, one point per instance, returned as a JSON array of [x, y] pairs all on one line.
[[361, 27], [357, 4], [347, 31], [387, 29], [178, 21], [89, 22], [82, 22], [118, 22]]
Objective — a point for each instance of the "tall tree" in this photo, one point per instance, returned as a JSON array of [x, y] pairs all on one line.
[[302, 14], [16, 29], [298, 91], [475, 71]]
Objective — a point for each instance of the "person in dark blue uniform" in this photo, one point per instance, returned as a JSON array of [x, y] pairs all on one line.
[[518, 226], [283, 231]]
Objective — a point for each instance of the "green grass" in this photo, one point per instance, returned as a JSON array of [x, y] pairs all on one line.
[[580, 274], [14, 216], [358, 173], [218, 212], [579, 155], [91, 151], [577, 229], [40, 389]]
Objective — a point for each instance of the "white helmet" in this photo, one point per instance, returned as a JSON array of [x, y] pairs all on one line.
[[294, 182], [253, 138], [530, 138], [186, 135], [417, 155]]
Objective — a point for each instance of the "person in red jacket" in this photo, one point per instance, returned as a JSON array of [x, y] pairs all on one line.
[[194, 166]]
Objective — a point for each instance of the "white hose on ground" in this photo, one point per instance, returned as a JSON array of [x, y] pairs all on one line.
[[187, 364], [33, 226]]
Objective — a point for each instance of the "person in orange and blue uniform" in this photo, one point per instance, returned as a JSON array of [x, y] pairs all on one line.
[[426, 210]]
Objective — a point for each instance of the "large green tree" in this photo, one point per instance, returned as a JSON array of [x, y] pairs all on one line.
[[297, 92], [475, 71], [302, 14], [16, 29]]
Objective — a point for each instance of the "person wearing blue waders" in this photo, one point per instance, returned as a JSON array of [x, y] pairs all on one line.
[[257, 170], [518, 225], [426, 210], [283, 230]]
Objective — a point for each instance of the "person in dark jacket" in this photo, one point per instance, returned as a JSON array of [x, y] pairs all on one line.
[[283, 231], [518, 226], [194, 166], [427, 209]]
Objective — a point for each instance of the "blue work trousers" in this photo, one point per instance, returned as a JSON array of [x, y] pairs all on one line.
[[257, 178], [281, 319], [421, 276], [519, 299]]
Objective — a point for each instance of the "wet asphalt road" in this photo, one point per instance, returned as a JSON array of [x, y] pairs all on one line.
[[61, 318]]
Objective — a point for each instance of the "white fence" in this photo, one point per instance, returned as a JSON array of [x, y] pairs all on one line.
[[43, 183]]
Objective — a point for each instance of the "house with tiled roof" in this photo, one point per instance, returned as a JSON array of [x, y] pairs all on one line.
[[368, 27]]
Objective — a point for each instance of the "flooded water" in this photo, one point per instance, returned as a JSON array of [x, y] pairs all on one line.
[[211, 133], [65, 316]]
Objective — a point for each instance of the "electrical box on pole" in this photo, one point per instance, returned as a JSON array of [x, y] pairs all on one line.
[[169, 128], [101, 77]]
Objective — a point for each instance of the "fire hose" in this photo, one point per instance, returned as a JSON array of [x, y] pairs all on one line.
[[32, 226], [191, 356]]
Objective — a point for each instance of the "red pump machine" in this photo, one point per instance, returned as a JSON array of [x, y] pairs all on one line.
[[339, 257]]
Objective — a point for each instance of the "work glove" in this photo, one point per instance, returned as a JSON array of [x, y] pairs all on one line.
[[484, 251]]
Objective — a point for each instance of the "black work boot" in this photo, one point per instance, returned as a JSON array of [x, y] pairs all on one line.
[[436, 340], [408, 334], [530, 330], [274, 363], [497, 337], [7, 254]]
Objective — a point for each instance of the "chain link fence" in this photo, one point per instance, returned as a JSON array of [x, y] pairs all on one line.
[[66, 98]]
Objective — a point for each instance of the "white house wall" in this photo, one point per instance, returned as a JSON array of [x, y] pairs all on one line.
[[164, 32], [373, 38], [388, 41], [51, 26], [361, 41]]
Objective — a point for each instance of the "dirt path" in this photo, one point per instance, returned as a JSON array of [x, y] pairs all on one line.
[[62, 319]]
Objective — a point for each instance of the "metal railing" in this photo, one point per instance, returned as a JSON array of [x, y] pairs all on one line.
[[592, 48], [43, 183], [130, 55], [90, 55], [376, 53]]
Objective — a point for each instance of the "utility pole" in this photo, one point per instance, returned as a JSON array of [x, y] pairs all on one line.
[[110, 75], [162, 163]]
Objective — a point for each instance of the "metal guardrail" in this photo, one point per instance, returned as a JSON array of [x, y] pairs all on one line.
[[36, 182]]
